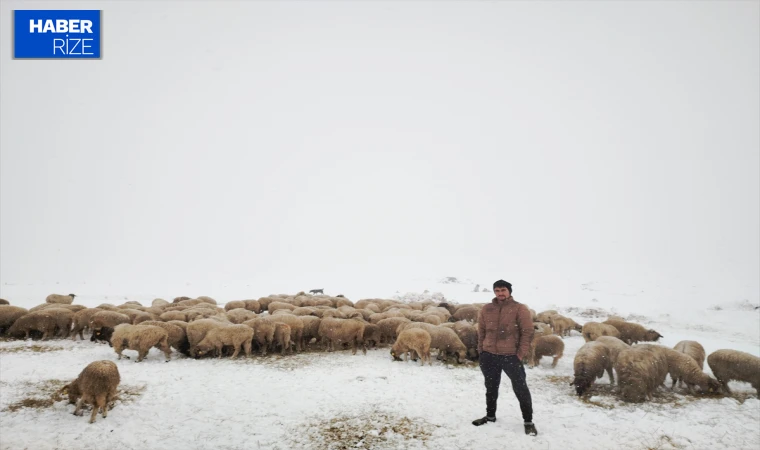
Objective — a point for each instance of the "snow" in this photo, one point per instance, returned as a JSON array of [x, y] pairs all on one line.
[[318, 400]]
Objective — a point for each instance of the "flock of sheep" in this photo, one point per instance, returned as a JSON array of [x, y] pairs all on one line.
[[197, 327]]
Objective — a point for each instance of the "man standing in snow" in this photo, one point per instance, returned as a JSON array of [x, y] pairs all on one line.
[[505, 329]]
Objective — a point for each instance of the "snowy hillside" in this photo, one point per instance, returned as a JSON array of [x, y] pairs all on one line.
[[317, 400]]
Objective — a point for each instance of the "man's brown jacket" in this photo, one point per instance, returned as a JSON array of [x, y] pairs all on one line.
[[505, 328]]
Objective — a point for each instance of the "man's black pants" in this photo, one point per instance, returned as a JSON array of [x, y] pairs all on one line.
[[491, 365]]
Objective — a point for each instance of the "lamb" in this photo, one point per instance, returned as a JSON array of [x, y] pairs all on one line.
[[58, 298], [197, 330], [693, 349], [640, 371], [683, 368], [729, 365], [263, 333], [238, 336], [8, 315], [95, 385], [591, 361], [338, 331], [592, 330], [631, 333], [140, 338], [545, 346], [413, 339]]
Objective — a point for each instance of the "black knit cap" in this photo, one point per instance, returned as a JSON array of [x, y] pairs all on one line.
[[503, 284]]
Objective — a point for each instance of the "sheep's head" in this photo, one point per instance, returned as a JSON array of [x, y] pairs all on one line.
[[72, 295], [395, 355], [472, 354], [461, 356], [581, 385], [652, 336], [72, 390], [712, 386]]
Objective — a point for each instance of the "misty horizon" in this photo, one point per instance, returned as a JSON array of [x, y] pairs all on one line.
[[229, 142]]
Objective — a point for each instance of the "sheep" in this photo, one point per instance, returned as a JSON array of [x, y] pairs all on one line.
[[533, 315], [545, 346], [371, 334], [640, 372], [263, 333], [159, 302], [631, 333], [338, 331], [683, 368], [614, 345], [296, 328], [58, 298], [81, 322], [729, 365], [389, 327], [252, 305], [563, 325], [542, 329], [546, 316], [591, 361], [467, 312], [8, 315], [180, 299], [468, 333], [444, 339], [95, 385], [274, 306], [238, 336], [4, 302], [693, 349], [282, 337], [140, 338], [311, 329], [413, 339], [173, 315], [102, 324], [33, 321], [342, 301], [234, 305], [177, 335], [197, 330], [431, 319], [592, 330], [240, 315], [377, 317], [206, 299]]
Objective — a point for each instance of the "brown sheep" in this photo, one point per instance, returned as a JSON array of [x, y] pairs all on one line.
[[240, 315], [253, 305], [546, 316], [263, 333], [631, 333], [371, 334], [545, 346], [238, 336], [640, 372], [468, 333], [542, 329], [614, 345], [337, 331], [234, 305], [431, 319], [389, 328], [282, 337], [197, 330], [96, 385], [592, 330], [173, 315], [34, 321], [590, 363], [206, 299], [8, 315], [310, 329], [296, 327], [729, 365], [81, 322], [442, 338], [467, 312], [58, 298], [563, 325], [177, 335], [413, 339], [107, 319], [683, 368], [274, 306], [693, 349], [140, 338], [159, 302]]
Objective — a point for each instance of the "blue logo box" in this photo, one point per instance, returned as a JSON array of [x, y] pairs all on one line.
[[56, 34]]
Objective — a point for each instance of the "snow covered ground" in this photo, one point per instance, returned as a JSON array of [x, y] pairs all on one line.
[[318, 400]]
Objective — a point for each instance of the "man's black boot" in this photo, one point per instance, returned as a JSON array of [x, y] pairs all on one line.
[[483, 420], [530, 429]]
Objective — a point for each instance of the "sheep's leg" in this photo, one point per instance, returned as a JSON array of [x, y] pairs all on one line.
[[78, 410], [554, 361], [141, 355], [236, 352], [612, 377], [422, 357], [247, 348], [673, 384]]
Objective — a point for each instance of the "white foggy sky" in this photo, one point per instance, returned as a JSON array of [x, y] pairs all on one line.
[[226, 140]]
